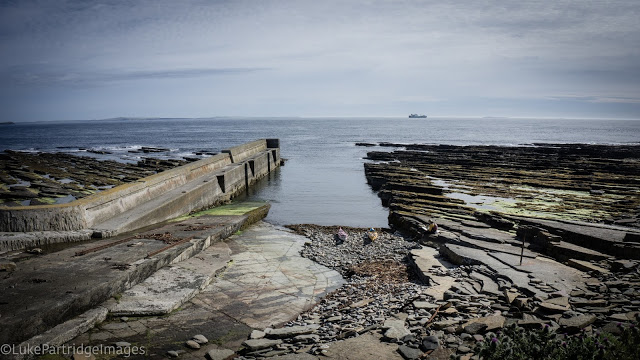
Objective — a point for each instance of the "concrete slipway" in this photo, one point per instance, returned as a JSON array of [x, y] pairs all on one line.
[[221, 289]]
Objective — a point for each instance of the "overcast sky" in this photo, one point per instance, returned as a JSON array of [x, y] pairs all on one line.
[[164, 58]]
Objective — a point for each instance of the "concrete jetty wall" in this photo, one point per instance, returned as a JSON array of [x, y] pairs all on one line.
[[156, 198]]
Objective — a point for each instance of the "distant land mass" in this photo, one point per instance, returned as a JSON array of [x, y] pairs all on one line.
[[7, 123]]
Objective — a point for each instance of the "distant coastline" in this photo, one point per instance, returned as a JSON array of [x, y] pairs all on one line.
[[7, 123]]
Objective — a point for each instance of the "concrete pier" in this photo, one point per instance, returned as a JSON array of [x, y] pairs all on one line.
[[195, 186]]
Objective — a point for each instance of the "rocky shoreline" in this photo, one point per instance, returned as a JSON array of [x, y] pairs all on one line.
[[539, 237], [593, 183], [49, 178], [391, 294]]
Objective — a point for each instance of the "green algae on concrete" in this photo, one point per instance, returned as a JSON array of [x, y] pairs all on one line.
[[240, 208]]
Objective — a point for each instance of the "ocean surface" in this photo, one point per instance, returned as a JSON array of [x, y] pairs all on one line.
[[323, 180]]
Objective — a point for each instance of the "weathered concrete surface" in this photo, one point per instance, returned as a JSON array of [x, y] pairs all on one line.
[[267, 283], [155, 198], [50, 289], [67, 330], [170, 287], [10, 241]]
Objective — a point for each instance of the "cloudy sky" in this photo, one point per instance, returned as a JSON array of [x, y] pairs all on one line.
[[84, 59]]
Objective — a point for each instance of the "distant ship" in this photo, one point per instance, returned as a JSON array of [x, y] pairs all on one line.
[[416, 116]]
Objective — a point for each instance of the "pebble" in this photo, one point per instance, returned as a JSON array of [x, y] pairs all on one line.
[[173, 353], [200, 339], [192, 344]]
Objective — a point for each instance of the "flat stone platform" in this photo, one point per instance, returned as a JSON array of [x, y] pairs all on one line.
[[266, 283], [47, 290]]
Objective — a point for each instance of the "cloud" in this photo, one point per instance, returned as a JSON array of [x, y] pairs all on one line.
[[26, 75], [597, 99], [389, 55]]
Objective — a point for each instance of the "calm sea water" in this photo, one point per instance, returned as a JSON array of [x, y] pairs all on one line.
[[323, 180]]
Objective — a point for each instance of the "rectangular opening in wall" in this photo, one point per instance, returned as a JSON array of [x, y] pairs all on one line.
[[268, 163], [252, 165], [246, 177], [273, 155], [221, 183]]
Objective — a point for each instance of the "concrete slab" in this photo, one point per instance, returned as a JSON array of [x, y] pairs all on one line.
[[50, 289], [11, 241], [266, 283], [67, 330], [172, 286]]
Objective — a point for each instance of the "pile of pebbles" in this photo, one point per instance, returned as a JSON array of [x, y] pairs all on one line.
[[325, 248]]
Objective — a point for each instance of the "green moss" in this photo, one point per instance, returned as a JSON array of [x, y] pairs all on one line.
[[231, 209]]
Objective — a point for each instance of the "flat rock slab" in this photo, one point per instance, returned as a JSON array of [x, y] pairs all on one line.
[[497, 247], [268, 282], [425, 261], [291, 331], [492, 323], [587, 266], [463, 255], [172, 286], [559, 276], [479, 233], [365, 347], [577, 322]]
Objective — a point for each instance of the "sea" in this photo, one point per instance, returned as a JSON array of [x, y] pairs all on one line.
[[322, 181]]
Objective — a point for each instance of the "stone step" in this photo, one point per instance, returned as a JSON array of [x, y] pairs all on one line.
[[170, 287], [102, 272], [587, 266], [564, 251]]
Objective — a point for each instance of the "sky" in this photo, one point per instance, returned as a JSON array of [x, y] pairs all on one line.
[[84, 59]]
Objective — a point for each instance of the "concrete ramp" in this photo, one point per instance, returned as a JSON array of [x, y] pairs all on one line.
[[48, 290]]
